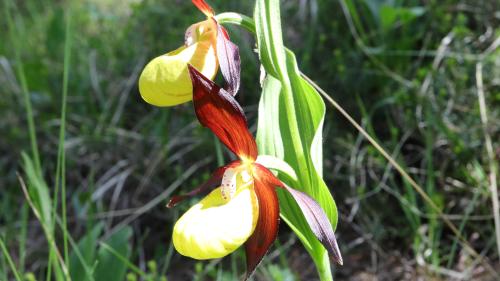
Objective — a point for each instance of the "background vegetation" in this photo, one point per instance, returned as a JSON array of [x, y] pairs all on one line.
[[412, 72]]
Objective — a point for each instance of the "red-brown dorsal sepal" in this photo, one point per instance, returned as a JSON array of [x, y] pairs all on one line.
[[217, 110], [204, 7]]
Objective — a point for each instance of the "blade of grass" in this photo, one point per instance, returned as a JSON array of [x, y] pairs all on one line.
[[23, 236], [359, 41], [405, 175], [61, 163], [47, 231], [468, 210], [433, 225], [3, 267], [9, 260], [60, 177], [170, 251], [490, 153], [24, 86]]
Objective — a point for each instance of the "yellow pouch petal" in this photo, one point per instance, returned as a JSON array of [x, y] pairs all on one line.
[[214, 228], [165, 80]]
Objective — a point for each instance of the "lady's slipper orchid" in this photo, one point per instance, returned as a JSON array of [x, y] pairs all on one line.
[[165, 80], [242, 208]]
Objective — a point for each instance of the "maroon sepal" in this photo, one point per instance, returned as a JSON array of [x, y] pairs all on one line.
[[213, 182], [318, 222], [266, 230], [228, 55], [221, 113]]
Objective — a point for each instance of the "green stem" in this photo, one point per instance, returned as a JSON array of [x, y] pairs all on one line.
[[323, 266], [62, 159], [237, 19], [17, 275]]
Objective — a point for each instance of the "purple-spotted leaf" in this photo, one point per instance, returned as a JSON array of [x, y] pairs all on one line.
[[318, 222], [228, 55]]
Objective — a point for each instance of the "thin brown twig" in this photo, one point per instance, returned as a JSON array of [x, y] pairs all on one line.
[[405, 175]]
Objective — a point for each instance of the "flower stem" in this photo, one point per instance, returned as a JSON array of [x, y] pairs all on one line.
[[323, 266], [237, 19]]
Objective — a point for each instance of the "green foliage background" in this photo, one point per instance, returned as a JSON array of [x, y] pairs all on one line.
[[407, 70]]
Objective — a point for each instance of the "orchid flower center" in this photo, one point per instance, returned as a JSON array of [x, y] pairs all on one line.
[[202, 31], [233, 180]]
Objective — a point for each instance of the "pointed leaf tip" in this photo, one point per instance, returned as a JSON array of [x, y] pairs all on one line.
[[221, 113], [318, 222], [204, 7]]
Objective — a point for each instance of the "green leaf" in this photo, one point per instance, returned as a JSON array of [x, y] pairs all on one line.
[[39, 193], [110, 267], [389, 15], [290, 127], [268, 119], [269, 37], [310, 110], [85, 258], [278, 165]]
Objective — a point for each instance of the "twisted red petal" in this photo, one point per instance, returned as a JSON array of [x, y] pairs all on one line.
[[266, 176], [204, 7], [267, 225], [318, 222], [221, 113], [229, 60], [313, 213], [213, 182]]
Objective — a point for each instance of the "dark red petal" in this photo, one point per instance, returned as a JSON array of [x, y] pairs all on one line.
[[266, 176], [318, 222], [212, 183], [313, 213], [267, 225], [221, 113], [204, 7], [229, 61]]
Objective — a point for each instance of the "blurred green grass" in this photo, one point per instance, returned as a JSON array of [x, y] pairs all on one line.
[[406, 69]]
